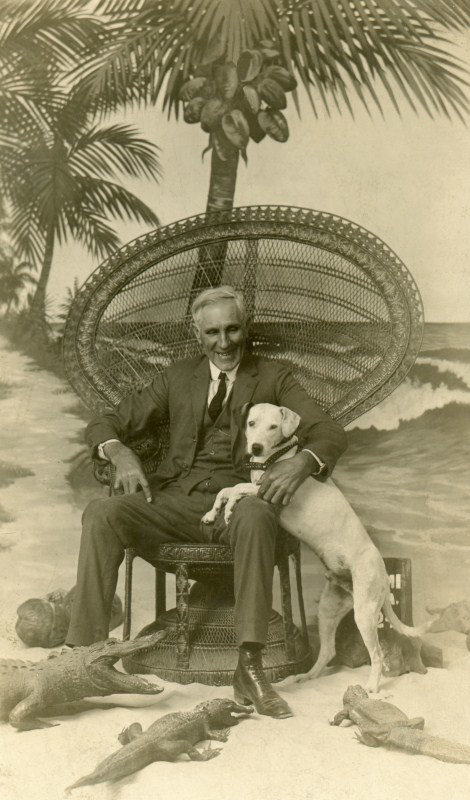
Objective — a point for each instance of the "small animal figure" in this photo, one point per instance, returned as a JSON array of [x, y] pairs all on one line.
[[168, 738], [319, 515], [454, 617], [49, 687], [44, 621], [382, 723], [401, 654]]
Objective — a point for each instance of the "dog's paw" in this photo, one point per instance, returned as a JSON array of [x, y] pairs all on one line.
[[228, 515], [208, 518]]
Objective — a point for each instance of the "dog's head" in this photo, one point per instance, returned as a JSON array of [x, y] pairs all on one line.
[[268, 427]]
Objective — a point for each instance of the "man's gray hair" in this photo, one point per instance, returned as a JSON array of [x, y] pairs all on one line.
[[214, 295]]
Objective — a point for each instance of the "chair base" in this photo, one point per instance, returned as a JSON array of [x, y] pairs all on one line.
[[213, 652]]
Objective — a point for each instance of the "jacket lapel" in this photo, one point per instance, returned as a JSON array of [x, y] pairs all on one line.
[[243, 389], [199, 391]]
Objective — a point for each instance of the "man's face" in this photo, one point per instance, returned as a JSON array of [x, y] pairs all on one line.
[[221, 332]]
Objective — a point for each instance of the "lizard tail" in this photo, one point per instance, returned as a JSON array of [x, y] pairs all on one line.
[[406, 630], [435, 746]]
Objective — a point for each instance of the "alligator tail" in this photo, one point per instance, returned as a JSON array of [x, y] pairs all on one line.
[[123, 762], [415, 741], [406, 630]]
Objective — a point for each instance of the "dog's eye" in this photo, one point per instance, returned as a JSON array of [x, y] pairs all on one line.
[[273, 427], [251, 423]]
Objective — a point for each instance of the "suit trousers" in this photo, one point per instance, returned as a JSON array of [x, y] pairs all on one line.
[[114, 523]]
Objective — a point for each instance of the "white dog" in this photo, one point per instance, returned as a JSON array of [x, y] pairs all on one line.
[[319, 515]]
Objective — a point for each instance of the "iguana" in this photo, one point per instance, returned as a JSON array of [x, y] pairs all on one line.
[[382, 723], [168, 738], [50, 686]]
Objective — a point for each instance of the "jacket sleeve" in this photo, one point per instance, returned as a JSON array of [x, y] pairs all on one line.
[[317, 430], [132, 416]]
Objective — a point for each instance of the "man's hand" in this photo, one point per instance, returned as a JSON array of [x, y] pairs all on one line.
[[280, 481], [129, 472]]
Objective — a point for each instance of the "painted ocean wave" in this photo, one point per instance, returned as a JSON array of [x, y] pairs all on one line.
[[431, 384]]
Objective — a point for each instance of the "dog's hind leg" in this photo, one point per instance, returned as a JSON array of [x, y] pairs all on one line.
[[369, 591], [335, 602]]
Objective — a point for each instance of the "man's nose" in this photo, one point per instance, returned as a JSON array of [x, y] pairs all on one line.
[[223, 340]]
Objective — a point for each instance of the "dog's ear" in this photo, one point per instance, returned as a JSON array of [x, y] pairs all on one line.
[[240, 414], [289, 421]]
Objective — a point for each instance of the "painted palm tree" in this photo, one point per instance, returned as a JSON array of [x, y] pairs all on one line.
[[39, 42], [229, 64], [58, 172], [14, 279], [61, 187]]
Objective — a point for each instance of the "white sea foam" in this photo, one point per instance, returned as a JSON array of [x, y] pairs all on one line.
[[409, 401], [459, 368]]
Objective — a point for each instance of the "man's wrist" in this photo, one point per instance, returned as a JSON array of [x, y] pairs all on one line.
[[318, 467], [112, 449]]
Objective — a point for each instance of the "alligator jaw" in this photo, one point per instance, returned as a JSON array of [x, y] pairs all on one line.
[[104, 674], [114, 650]]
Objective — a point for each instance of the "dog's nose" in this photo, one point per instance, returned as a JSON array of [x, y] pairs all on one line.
[[256, 449]]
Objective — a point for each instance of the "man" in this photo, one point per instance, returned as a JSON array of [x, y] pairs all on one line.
[[200, 397]]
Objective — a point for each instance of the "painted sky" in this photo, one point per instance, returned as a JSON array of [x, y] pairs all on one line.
[[407, 179]]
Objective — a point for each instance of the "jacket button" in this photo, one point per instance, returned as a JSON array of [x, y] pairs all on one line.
[[184, 465]]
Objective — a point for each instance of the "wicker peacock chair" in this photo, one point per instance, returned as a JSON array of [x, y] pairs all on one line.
[[324, 295]]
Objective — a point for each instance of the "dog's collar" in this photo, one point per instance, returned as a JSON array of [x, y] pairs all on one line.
[[272, 458]]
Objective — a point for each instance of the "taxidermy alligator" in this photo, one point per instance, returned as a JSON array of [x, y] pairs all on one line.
[[382, 723], [168, 738], [51, 686]]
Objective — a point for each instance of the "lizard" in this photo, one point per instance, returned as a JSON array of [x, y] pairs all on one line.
[[51, 686], [382, 723], [167, 738]]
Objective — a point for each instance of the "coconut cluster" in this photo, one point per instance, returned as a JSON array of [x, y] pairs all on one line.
[[238, 102]]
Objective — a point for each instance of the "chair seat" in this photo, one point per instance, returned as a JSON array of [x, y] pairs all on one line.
[[209, 561]]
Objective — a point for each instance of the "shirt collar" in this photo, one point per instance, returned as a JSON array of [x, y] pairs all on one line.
[[215, 372]]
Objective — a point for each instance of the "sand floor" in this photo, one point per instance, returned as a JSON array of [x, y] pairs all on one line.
[[302, 758]]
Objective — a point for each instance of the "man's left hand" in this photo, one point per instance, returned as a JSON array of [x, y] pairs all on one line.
[[280, 481]]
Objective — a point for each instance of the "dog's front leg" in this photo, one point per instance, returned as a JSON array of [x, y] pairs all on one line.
[[239, 491], [220, 500]]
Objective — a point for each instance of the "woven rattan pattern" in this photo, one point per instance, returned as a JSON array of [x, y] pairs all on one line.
[[324, 295]]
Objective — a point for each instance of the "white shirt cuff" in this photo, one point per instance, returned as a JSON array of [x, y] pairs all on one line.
[[101, 453], [321, 464]]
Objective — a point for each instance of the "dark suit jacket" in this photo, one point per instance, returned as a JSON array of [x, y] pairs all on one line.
[[180, 394]]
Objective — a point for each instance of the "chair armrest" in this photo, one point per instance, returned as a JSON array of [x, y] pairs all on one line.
[[150, 450]]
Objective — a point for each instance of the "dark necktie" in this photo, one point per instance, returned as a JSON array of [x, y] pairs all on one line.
[[215, 405]]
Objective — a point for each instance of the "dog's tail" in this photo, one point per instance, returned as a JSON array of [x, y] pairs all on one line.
[[406, 630]]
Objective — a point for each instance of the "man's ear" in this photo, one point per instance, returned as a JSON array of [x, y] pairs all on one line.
[[240, 414], [289, 421]]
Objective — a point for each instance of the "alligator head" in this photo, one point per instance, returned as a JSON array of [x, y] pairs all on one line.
[[223, 712], [99, 660]]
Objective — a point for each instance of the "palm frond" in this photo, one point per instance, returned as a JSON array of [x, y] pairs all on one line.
[[116, 148], [340, 47]]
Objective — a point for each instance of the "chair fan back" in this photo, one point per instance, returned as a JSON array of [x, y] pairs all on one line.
[[323, 294]]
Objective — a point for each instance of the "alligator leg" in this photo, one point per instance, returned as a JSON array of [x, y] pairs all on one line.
[[368, 736], [21, 716], [340, 717], [220, 735], [130, 733], [204, 755]]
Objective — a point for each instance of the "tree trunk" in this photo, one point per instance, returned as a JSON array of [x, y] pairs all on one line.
[[38, 305], [222, 185]]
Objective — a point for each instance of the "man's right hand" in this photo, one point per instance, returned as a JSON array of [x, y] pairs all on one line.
[[129, 471]]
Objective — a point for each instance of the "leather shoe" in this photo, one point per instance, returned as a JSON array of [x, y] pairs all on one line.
[[251, 687]]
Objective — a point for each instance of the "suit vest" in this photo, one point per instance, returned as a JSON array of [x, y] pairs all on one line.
[[212, 468]]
